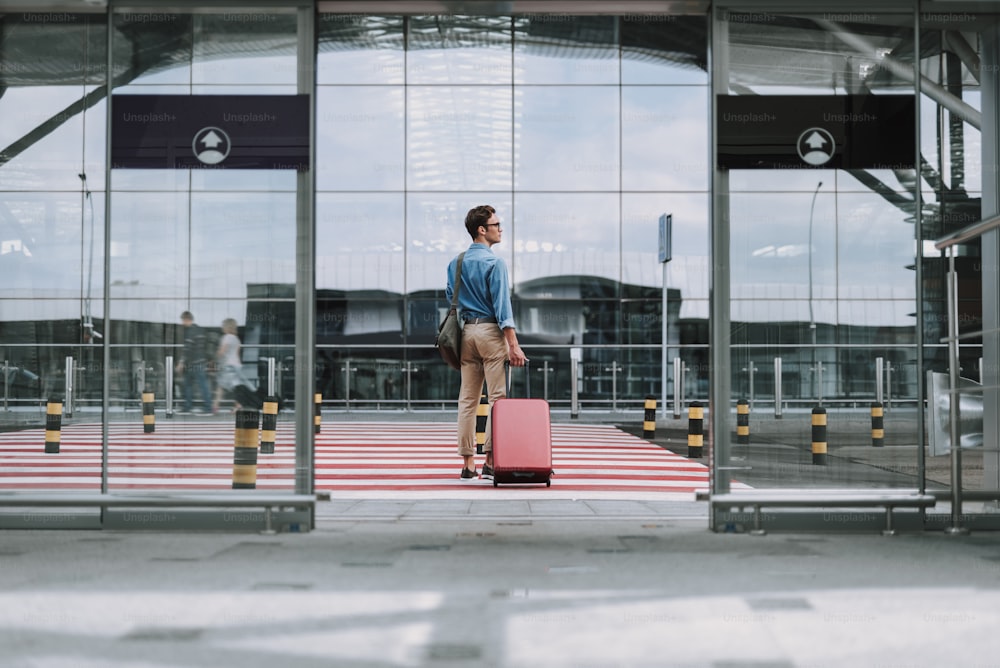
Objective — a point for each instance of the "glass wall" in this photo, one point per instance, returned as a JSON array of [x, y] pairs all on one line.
[[582, 130], [837, 293], [98, 271], [821, 264], [219, 244], [52, 209], [951, 143]]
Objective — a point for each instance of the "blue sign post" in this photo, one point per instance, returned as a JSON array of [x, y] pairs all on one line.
[[666, 235], [666, 243]]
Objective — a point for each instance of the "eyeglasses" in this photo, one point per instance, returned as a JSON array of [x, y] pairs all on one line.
[[496, 225]]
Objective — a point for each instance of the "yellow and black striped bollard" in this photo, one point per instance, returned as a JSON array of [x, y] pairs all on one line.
[[482, 412], [649, 418], [819, 436], [317, 415], [245, 449], [148, 413], [878, 425], [269, 426], [743, 422], [53, 425], [696, 429]]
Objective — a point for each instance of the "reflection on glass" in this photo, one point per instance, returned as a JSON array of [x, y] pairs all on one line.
[[765, 50], [567, 234], [875, 248], [423, 317], [892, 320], [150, 179], [459, 50], [357, 49], [245, 46], [569, 310], [361, 138], [664, 132], [951, 190], [788, 180], [151, 321], [359, 318], [458, 138], [864, 252], [153, 48], [566, 138], [664, 49], [256, 180], [149, 245], [239, 240], [360, 242], [51, 244], [642, 322], [82, 364], [43, 141], [44, 321], [95, 140], [384, 379], [820, 273], [687, 271], [34, 40], [435, 233], [641, 221], [782, 247], [565, 49]]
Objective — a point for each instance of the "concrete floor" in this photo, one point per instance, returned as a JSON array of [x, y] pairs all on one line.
[[450, 582]]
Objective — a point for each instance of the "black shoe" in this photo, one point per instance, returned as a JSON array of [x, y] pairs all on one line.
[[487, 472], [468, 474]]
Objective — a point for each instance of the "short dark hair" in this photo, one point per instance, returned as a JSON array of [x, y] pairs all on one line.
[[477, 216], [187, 316]]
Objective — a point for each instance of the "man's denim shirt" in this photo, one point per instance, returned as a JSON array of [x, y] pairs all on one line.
[[485, 291]]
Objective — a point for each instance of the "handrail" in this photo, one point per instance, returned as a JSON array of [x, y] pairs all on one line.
[[968, 233], [949, 241]]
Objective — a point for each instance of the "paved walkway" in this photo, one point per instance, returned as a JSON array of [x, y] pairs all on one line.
[[453, 582], [351, 457]]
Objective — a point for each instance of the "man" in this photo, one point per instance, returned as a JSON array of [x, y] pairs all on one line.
[[194, 358], [488, 335]]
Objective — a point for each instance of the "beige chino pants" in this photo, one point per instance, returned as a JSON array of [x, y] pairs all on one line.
[[484, 351]]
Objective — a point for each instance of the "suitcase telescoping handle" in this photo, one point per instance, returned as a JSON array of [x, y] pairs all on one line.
[[527, 377]]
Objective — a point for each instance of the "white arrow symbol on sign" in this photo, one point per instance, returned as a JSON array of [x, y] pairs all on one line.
[[211, 145], [815, 141], [211, 140], [818, 145]]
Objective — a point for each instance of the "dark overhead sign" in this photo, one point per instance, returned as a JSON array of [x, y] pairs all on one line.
[[816, 131], [210, 131]]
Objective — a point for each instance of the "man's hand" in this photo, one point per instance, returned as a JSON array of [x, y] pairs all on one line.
[[516, 355]]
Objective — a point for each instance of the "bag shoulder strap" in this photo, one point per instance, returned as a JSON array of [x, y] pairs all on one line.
[[458, 280]]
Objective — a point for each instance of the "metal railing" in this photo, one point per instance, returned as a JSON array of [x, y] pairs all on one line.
[[949, 243], [360, 381]]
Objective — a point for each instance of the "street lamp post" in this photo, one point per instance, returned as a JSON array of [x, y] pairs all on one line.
[[812, 317]]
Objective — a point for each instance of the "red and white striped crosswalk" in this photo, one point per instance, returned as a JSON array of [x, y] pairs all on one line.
[[352, 459]]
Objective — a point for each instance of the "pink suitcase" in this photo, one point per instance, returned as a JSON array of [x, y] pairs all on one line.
[[522, 441]]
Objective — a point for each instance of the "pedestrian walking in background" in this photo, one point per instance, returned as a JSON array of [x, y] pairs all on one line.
[[193, 365]]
